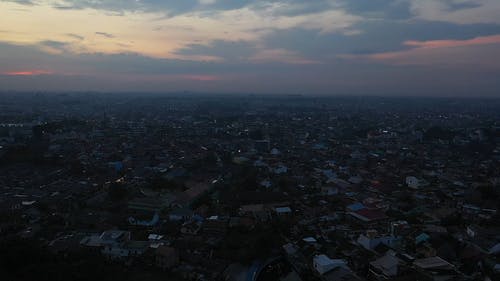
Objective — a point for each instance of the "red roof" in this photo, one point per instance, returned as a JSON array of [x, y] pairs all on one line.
[[369, 215]]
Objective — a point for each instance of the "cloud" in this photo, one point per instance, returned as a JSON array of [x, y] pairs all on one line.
[[207, 2], [156, 35], [457, 11], [196, 77], [477, 52], [35, 72], [22, 2], [220, 50], [494, 39], [75, 36], [258, 45], [52, 46], [132, 72], [107, 35], [281, 56], [168, 7]]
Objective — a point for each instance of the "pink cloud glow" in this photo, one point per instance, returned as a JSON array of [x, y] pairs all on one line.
[[494, 39], [476, 51], [27, 73]]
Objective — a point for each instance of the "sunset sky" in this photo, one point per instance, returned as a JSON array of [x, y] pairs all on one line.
[[358, 47]]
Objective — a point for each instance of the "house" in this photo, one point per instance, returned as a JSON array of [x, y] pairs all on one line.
[[121, 251], [155, 237], [329, 190], [136, 248], [323, 264], [262, 145], [114, 237], [367, 216], [355, 180], [423, 237], [191, 227], [431, 228], [92, 241], [257, 211], [194, 191], [385, 267], [144, 221], [148, 204], [283, 211], [266, 183], [247, 223], [106, 238], [281, 169], [181, 214], [415, 183], [371, 240], [340, 274], [66, 244], [426, 250], [435, 268], [114, 252], [166, 257], [355, 207], [485, 239], [399, 228], [110, 243], [290, 249], [215, 226], [113, 242], [310, 240]]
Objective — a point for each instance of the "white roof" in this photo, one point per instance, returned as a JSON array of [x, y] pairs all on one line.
[[309, 240], [28, 203], [155, 237], [156, 245]]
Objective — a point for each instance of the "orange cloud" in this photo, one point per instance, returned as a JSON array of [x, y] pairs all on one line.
[[153, 34], [27, 73]]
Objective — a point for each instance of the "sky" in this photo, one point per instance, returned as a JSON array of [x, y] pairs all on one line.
[[317, 47]]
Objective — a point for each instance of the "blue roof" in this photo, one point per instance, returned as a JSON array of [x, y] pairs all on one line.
[[356, 206], [422, 238], [198, 218]]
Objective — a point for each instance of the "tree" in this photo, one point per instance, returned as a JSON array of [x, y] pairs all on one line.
[[117, 192]]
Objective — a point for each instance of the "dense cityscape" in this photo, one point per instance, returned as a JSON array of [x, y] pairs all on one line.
[[248, 187]]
